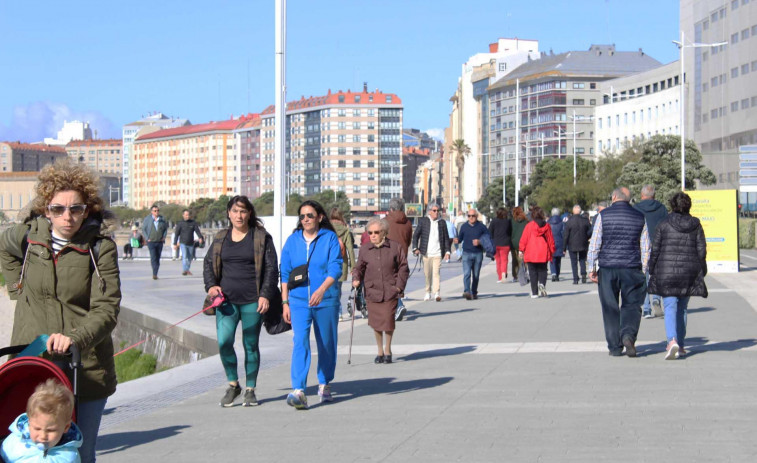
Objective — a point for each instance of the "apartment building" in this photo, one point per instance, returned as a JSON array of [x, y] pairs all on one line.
[[182, 164], [412, 160], [26, 157], [638, 107], [470, 107], [721, 98], [248, 140], [343, 141], [542, 106], [151, 123], [103, 156]]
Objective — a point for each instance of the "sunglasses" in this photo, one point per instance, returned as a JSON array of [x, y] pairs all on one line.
[[471, 215], [58, 210], [374, 232], [309, 215], [434, 210], [156, 210]]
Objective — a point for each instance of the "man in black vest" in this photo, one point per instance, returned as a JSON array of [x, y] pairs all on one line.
[[620, 245]]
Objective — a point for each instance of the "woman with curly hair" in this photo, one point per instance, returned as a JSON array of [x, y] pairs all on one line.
[[63, 271]]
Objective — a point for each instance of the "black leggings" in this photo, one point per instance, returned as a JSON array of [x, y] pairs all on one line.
[[537, 272]]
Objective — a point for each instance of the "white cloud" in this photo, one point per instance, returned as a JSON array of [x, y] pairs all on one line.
[[437, 134], [40, 119]]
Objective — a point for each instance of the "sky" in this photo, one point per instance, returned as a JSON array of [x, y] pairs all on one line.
[[111, 63]]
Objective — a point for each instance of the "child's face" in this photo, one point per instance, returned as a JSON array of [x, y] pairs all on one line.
[[47, 429]]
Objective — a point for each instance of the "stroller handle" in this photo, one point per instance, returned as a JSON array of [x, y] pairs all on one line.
[[75, 354]]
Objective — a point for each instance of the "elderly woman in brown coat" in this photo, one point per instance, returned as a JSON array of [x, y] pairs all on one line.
[[382, 266]]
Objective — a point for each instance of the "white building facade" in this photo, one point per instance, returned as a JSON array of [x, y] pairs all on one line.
[[73, 130], [637, 107]]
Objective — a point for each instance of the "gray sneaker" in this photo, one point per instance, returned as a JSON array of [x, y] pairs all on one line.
[[542, 291], [232, 392], [657, 307], [324, 392], [297, 399], [249, 398]]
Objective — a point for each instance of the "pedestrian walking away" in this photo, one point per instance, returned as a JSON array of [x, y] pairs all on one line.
[[347, 247], [431, 240], [654, 213], [155, 228], [557, 225], [184, 236], [382, 268], [620, 243], [576, 241], [62, 268], [242, 265], [677, 267], [537, 246], [518, 222], [501, 230], [311, 262], [473, 253], [401, 232]]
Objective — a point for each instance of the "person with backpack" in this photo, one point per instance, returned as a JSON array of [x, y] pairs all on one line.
[[347, 248], [62, 269]]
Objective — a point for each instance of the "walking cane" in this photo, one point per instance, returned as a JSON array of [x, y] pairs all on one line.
[[353, 296]]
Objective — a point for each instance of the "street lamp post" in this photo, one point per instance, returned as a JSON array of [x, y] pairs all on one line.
[[574, 117], [681, 45]]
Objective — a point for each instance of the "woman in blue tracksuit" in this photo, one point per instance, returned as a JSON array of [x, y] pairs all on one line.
[[313, 303]]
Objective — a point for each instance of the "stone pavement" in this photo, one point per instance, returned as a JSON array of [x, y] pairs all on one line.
[[503, 378]]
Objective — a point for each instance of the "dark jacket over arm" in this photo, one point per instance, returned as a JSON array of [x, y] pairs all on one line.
[[678, 261]]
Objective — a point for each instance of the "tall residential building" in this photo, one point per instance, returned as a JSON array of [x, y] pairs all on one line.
[[414, 138], [544, 104], [26, 157], [74, 130], [152, 122], [721, 97], [470, 107], [100, 155], [248, 140], [343, 141], [412, 160], [182, 164], [638, 107]]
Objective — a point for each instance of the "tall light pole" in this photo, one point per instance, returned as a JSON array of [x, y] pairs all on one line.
[[280, 122], [574, 117], [681, 45], [517, 141]]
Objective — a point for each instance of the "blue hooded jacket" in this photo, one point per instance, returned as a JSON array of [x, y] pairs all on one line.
[[20, 448], [325, 261]]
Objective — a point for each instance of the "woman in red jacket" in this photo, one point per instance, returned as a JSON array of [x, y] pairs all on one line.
[[536, 248]]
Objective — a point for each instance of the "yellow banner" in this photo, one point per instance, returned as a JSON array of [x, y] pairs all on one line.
[[717, 210]]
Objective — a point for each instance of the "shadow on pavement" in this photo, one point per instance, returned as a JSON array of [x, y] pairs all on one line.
[[699, 345], [347, 390], [120, 441], [700, 309], [437, 353], [413, 315]]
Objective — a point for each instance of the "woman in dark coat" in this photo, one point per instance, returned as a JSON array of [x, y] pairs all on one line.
[[382, 266], [518, 222], [500, 230], [558, 226], [677, 267]]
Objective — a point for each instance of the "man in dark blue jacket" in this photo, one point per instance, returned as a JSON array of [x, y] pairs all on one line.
[[654, 213], [473, 253], [620, 244]]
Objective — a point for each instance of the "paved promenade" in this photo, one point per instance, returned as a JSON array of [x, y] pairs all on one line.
[[503, 378]]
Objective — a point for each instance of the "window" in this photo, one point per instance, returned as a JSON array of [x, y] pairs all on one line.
[[342, 164], [578, 102], [356, 138], [389, 98], [593, 85], [734, 4], [356, 164], [356, 202], [754, 66], [357, 98], [734, 106], [745, 34], [713, 114], [754, 30], [704, 56], [745, 103], [342, 112], [356, 112], [356, 125], [341, 138], [371, 138], [735, 38], [342, 151], [592, 102], [705, 25], [734, 73], [502, 67], [599, 123], [714, 82], [744, 69], [341, 98], [578, 85], [714, 17], [342, 125], [356, 151]]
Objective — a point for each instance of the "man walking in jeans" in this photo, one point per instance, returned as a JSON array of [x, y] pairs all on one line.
[[654, 213], [184, 235], [154, 228], [620, 243], [431, 240], [576, 237], [473, 253]]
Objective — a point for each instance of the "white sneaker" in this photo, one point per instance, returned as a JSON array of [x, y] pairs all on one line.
[[542, 290], [672, 351], [427, 297], [534, 296]]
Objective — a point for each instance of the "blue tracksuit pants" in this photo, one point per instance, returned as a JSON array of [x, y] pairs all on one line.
[[324, 320]]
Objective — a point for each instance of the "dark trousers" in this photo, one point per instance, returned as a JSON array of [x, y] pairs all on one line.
[[156, 249], [577, 257], [621, 319], [538, 274], [555, 264]]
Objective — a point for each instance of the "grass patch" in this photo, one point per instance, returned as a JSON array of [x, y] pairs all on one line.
[[134, 364], [746, 233]]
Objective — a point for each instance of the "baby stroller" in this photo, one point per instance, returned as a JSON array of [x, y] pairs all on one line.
[[20, 376], [356, 300]]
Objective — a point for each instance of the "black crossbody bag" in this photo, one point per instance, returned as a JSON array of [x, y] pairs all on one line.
[[299, 275]]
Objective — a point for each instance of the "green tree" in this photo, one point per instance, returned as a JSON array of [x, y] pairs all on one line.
[[491, 200], [609, 168], [551, 184], [461, 152], [659, 164], [326, 198], [264, 204]]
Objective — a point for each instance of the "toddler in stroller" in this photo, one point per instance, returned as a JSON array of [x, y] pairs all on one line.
[[45, 432]]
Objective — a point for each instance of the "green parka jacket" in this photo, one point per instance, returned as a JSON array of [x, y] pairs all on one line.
[[63, 294]]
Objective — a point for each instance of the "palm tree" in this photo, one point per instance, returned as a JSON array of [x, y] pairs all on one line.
[[461, 151]]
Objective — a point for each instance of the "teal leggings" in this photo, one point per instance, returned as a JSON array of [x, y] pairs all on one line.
[[227, 319]]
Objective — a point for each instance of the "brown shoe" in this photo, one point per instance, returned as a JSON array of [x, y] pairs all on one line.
[[155, 277], [184, 273], [467, 296], [438, 298], [475, 296], [189, 273]]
